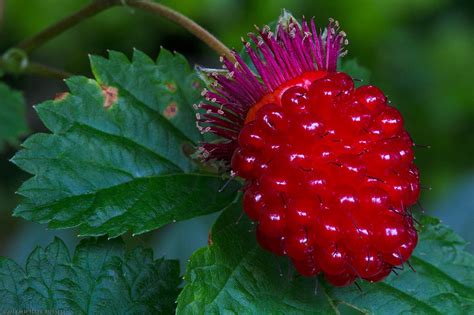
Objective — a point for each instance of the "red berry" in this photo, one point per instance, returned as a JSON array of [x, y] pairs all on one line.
[[272, 220], [251, 137], [245, 164], [328, 228], [333, 260], [336, 169], [314, 184], [272, 244], [402, 253], [275, 182], [294, 100], [328, 167], [299, 244], [346, 198], [373, 199], [371, 97], [391, 122], [382, 157], [343, 82], [307, 267], [302, 212], [357, 117], [404, 148], [358, 230], [390, 234], [341, 280], [253, 202], [367, 263], [307, 129], [296, 157], [271, 119], [323, 152], [386, 269]]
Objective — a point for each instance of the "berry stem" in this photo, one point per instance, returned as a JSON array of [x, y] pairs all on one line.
[[36, 69], [185, 22], [46, 71], [97, 6], [90, 10]]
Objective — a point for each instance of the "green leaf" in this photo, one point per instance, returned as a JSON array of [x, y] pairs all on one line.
[[101, 278], [115, 160], [234, 275], [12, 115]]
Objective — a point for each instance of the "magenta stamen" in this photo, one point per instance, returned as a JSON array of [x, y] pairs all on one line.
[[278, 57]]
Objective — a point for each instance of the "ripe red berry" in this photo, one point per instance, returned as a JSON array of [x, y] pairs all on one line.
[[307, 267], [371, 97], [294, 101], [301, 213], [367, 263], [253, 202], [328, 167], [272, 221], [299, 244]]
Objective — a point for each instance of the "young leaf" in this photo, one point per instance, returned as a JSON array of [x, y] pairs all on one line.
[[234, 275], [12, 115], [101, 278], [116, 160]]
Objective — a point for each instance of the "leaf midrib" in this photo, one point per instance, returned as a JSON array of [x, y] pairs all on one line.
[[130, 141], [144, 178]]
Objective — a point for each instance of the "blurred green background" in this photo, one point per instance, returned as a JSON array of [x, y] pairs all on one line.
[[419, 53]]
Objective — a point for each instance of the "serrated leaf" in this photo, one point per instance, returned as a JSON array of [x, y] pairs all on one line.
[[235, 275], [168, 87], [115, 160], [12, 115], [101, 278]]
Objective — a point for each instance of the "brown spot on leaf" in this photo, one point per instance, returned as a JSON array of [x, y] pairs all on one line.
[[171, 86], [60, 96], [110, 95], [171, 110], [210, 242]]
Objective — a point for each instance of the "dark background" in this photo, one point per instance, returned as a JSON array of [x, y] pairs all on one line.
[[419, 52]]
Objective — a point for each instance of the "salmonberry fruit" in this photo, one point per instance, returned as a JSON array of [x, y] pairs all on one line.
[[328, 166]]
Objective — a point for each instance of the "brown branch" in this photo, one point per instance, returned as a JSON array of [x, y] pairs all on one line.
[[185, 22], [97, 6], [30, 44]]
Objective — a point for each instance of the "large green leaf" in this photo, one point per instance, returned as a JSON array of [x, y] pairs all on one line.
[[101, 278], [12, 115], [234, 275], [115, 160]]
